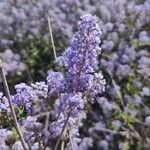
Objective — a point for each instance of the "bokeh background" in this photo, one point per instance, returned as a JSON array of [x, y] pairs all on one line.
[[26, 50]]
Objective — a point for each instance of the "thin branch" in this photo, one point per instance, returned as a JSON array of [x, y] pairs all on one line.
[[141, 123], [42, 114], [47, 120], [62, 145], [11, 107], [27, 68], [51, 34], [62, 131], [122, 133], [29, 75], [63, 142], [117, 91], [134, 133], [71, 142]]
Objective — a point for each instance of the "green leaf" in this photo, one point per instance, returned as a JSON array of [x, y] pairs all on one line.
[[14, 135]]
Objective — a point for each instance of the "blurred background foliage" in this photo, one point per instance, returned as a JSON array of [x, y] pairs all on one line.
[[124, 62]]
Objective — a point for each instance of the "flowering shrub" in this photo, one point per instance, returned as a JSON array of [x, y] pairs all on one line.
[[80, 84], [124, 25], [75, 107], [12, 62]]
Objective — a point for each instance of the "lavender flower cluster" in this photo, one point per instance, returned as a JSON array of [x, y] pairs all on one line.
[[12, 62], [70, 92], [121, 113], [81, 82]]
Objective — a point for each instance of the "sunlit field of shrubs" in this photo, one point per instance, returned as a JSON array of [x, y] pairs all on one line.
[[74, 74]]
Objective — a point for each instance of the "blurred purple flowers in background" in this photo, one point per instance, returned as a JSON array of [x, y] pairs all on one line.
[[96, 94]]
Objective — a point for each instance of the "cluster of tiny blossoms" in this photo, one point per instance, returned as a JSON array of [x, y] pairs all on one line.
[[12, 62], [80, 84], [125, 62], [31, 96]]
